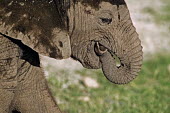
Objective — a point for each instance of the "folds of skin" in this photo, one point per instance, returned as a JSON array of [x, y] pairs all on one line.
[[43, 26], [39, 24], [23, 86], [108, 23]]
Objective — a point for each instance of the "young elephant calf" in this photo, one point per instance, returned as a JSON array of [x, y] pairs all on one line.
[[23, 87], [98, 33]]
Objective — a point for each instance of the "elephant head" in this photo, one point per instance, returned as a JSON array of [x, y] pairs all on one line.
[[98, 33], [102, 35]]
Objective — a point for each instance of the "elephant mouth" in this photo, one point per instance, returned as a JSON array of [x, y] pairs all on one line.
[[101, 50]]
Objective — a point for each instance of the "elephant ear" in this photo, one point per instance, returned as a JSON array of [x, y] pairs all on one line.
[[39, 24]]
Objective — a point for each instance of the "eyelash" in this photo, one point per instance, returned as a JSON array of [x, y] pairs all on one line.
[[106, 20]]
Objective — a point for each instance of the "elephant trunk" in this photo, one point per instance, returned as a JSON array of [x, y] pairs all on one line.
[[121, 58]]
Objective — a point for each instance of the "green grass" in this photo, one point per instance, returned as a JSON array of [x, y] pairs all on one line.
[[148, 93], [162, 14]]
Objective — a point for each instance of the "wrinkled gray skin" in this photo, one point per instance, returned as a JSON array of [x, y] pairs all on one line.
[[98, 33], [23, 86]]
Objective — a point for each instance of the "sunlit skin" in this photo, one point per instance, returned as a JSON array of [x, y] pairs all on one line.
[[98, 33]]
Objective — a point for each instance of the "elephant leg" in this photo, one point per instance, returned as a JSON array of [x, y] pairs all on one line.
[[33, 95], [8, 71], [23, 87], [6, 97]]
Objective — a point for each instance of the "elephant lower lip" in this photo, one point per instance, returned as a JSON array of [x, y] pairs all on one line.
[[99, 49]]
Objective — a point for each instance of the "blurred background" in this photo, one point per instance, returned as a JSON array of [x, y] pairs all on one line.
[[79, 90]]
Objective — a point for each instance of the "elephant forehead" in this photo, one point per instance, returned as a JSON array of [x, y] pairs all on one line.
[[107, 6], [95, 3]]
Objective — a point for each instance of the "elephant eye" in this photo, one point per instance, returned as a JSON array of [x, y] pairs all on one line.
[[106, 20]]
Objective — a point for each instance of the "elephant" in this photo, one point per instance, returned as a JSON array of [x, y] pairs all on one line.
[[23, 86], [97, 33]]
